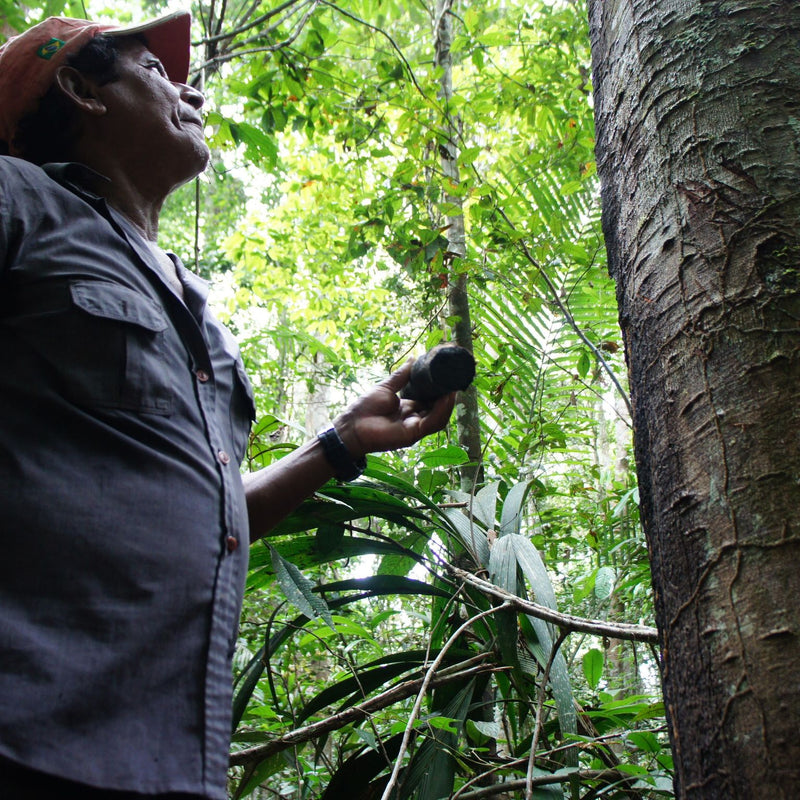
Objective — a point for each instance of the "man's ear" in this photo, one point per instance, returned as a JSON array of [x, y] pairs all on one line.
[[80, 89]]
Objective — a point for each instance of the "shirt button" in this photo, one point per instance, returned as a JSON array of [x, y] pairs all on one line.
[[202, 375], [231, 543], [223, 457]]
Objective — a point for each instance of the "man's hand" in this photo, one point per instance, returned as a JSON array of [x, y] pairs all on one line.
[[379, 420]]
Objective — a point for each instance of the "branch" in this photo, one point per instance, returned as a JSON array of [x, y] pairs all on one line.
[[539, 715], [569, 318], [562, 776], [387, 792], [614, 630], [252, 755], [383, 33], [240, 49], [249, 25], [298, 27]]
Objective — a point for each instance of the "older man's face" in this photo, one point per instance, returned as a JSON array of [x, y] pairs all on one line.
[[156, 124]]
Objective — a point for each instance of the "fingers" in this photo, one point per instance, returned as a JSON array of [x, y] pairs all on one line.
[[380, 420], [437, 416]]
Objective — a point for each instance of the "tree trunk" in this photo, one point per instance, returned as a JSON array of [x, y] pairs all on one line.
[[698, 144], [467, 412]]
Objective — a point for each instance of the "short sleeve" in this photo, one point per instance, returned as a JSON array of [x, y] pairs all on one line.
[[15, 180]]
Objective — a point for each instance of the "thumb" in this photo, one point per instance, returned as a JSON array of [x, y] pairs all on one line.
[[399, 378]]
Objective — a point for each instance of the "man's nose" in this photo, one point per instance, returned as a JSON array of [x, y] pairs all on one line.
[[191, 95]]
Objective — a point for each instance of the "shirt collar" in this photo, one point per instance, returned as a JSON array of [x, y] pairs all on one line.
[[76, 177]]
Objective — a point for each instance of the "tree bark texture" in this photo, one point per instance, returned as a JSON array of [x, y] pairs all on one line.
[[697, 105], [467, 410]]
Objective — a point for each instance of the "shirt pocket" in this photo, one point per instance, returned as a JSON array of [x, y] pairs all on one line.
[[118, 346]]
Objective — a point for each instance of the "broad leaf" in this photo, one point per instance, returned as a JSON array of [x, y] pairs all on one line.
[[299, 590]]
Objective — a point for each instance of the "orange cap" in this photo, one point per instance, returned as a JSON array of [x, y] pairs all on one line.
[[28, 62]]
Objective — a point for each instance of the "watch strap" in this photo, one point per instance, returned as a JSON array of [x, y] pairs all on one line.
[[346, 467]]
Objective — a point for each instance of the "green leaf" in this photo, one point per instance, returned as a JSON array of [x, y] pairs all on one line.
[[645, 740], [483, 504], [533, 568], [450, 209], [379, 585], [449, 456], [593, 662], [258, 145], [337, 503], [247, 680], [576, 252], [634, 769], [514, 508], [570, 187], [470, 534], [303, 552], [484, 731], [357, 687], [584, 363], [352, 779], [604, 583], [433, 767], [631, 496], [329, 537], [430, 480], [443, 723], [433, 338], [508, 553], [299, 590], [256, 774]]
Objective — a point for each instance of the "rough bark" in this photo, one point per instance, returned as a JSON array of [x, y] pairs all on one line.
[[467, 412], [698, 142]]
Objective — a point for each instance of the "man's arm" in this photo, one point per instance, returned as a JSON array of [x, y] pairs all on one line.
[[376, 422]]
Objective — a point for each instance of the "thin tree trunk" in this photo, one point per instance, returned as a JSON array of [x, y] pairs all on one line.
[[698, 142], [467, 414]]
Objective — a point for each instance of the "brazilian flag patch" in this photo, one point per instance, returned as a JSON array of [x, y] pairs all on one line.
[[49, 49]]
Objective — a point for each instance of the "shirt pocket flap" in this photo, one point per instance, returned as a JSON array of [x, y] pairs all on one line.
[[111, 301]]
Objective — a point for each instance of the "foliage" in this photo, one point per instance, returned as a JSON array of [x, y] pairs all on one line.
[[324, 224], [364, 105], [486, 656]]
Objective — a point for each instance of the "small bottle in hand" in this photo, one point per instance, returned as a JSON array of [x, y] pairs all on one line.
[[443, 369]]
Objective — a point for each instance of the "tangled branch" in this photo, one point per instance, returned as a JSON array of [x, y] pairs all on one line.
[[456, 672], [426, 683], [608, 776], [614, 630]]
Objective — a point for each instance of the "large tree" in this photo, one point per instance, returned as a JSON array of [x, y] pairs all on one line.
[[698, 141]]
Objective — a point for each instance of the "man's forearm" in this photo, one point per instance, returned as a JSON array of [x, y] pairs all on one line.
[[275, 491]]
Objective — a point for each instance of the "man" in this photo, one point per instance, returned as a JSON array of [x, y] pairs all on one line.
[[124, 412]]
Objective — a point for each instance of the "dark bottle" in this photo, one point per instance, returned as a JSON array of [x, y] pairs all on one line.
[[443, 369]]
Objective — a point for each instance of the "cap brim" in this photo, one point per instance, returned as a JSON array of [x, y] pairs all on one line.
[[168, 37]]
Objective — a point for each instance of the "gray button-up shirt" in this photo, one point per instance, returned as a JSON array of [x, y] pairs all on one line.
[[124, 413]]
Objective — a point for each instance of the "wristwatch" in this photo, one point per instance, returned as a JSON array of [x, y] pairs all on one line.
[[347, 468]]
